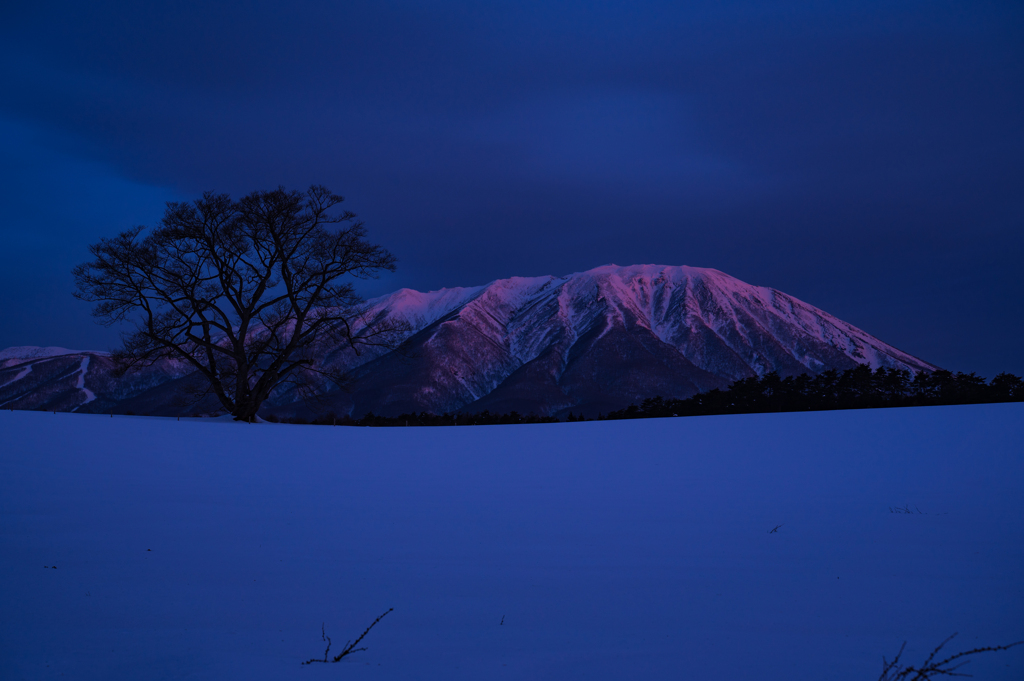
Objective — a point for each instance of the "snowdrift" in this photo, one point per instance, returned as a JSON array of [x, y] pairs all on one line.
[[146, 548]]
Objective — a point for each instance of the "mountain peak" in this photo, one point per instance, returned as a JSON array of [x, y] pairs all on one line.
[[588, 341]]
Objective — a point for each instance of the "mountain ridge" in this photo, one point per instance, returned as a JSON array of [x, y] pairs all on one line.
[[589, 341]]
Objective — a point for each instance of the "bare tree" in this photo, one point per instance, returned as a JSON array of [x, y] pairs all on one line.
[[250, 292]]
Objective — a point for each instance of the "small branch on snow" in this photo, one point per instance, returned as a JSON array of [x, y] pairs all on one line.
[[905, 509], [350, 647]]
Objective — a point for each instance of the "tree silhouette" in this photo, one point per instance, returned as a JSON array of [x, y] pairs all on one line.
[[246, 292]]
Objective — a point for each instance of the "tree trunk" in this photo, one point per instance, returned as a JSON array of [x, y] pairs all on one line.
[[246, 411]]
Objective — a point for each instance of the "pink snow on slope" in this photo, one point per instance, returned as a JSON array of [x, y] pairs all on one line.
[[676, 303], [654, 328]]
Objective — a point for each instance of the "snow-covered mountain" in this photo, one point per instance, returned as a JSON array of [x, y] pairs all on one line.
[[591, 341], [55, 379], [17, 355]]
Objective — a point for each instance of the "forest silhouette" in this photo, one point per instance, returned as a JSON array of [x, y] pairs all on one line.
[[858, 388]]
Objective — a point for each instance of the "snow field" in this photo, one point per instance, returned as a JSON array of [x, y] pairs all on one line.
[[613, 550]]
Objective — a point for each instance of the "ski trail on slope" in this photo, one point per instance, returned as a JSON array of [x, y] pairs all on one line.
[[89, 395], [21, 374]]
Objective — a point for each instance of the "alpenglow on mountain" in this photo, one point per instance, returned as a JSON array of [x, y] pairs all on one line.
[[588, 342]]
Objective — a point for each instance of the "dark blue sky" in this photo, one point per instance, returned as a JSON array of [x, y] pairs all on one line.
[[865, 157]]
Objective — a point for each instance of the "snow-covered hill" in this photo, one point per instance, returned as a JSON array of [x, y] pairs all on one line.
[[67, 380], [590, 341], [17, 355]]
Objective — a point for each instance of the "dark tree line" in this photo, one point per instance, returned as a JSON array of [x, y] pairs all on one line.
[[484, 418], [859, 388]]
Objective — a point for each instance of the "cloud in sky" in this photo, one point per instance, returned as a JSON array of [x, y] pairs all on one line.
[[54, 205], [842, 152]]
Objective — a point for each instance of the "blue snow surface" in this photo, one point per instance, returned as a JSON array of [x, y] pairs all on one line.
[[207, 549]]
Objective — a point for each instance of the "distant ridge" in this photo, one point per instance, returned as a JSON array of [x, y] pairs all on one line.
[[587, 342], [33, 352]]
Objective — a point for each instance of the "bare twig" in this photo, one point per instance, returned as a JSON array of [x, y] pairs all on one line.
[[894, 671], [350, 646]]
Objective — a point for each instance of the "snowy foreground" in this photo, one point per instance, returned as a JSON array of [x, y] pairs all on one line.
[[613, 550]]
